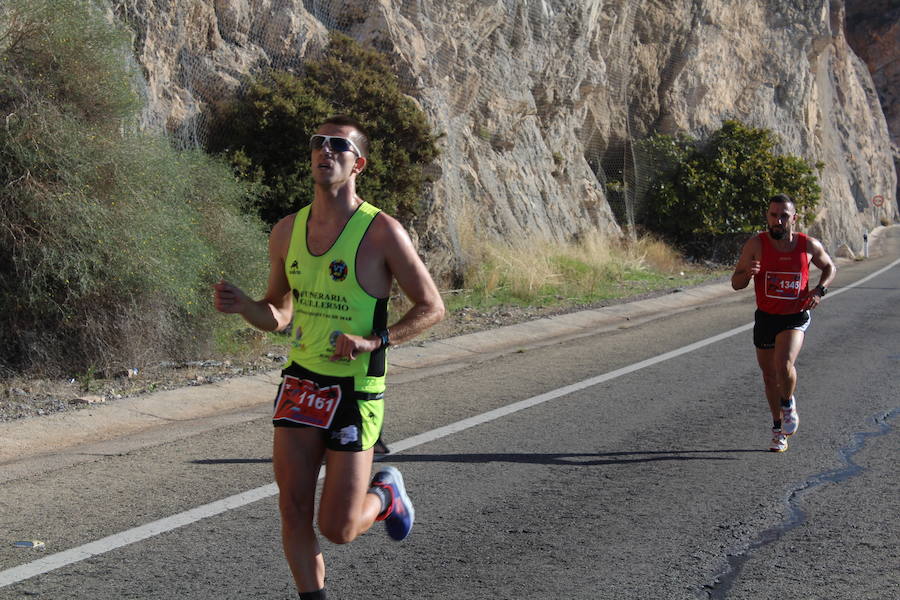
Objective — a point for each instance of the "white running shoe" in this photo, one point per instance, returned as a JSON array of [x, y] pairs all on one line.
[[790, 419], [779, 441]]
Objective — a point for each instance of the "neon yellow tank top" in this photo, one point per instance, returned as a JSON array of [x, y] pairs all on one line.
[[328, 300]]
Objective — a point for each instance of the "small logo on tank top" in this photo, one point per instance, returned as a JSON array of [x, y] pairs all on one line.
[[338, 270], [297, 342], [294, 269], [332, 339]]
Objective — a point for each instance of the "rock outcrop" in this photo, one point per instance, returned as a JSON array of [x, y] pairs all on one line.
[[540, 101], [873, 31], [788, 69]]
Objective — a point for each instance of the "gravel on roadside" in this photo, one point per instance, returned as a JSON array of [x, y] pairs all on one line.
[[27, 398]]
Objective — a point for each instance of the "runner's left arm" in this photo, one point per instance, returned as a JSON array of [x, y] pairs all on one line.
[[406, 267], [823, 261], [414, 279]]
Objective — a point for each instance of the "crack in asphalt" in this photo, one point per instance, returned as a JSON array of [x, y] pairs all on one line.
[[723, 582]]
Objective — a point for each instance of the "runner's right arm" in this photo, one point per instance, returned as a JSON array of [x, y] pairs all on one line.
[[748, 264], [275, 310]]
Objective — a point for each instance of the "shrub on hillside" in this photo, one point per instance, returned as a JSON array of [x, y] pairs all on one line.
[[265, 133], [110, 237], [704, 190]]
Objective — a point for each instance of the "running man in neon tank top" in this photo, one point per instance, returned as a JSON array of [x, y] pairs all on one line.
[[777, 261], [332, 265]]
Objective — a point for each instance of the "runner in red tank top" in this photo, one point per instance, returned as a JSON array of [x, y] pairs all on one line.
[[778, 262], [783, 283]]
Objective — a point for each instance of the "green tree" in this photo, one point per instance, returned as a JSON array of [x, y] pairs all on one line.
[[720, 186], [110, 237], [265, 133]]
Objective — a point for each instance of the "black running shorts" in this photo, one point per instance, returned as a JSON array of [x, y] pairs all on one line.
[[356, 423], [766, 326]]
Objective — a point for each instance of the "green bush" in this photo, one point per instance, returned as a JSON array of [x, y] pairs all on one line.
[[111, 238], [265, 133], [720, 186]]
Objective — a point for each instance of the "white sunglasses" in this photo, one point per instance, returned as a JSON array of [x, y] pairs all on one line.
[[336, 143]]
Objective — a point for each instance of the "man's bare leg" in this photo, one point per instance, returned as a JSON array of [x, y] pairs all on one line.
[[766, 360], [297, 457], [778, 369], [346, 510], [787, 347]]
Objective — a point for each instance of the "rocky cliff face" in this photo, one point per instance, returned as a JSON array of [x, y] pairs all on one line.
[[873, 31], [540, 100], [787, 67]]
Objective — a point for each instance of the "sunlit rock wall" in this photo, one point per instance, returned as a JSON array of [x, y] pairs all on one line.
[[539, 99]]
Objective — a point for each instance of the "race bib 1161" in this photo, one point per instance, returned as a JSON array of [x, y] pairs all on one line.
[[302, 401]]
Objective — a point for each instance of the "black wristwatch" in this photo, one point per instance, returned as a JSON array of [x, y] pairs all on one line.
[[822, 289], [385, 337]]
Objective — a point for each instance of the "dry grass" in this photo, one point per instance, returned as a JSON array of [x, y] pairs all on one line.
[[541, 272]]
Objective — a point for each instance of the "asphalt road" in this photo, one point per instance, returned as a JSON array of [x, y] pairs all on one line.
[[651, 482]]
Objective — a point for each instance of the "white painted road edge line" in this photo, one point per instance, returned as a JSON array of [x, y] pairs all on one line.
[[130, 536]]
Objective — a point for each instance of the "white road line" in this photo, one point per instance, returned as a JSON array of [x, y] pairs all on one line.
[[130, 536], [101, 546]]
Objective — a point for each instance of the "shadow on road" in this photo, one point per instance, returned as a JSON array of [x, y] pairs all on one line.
[[230, 461], [586, 459], [576, 459]]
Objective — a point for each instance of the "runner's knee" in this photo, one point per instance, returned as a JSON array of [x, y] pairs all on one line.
[[296, 509], [785, 370], [338, 530]]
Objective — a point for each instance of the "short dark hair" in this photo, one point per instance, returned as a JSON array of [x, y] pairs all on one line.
[[781, 199], [362, 136]]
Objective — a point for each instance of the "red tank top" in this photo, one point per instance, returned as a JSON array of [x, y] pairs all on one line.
[[783, 279]]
